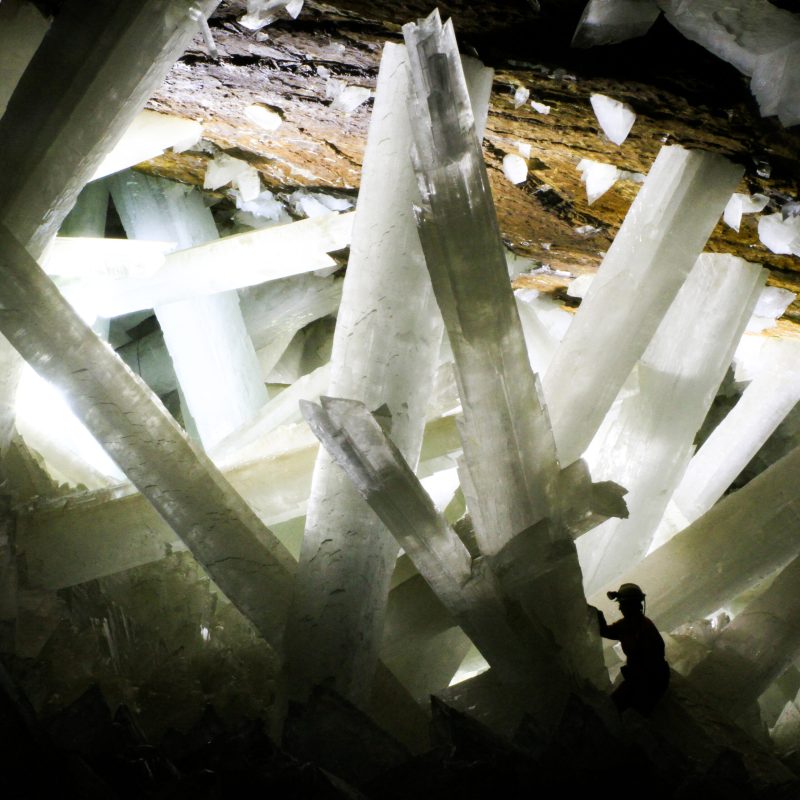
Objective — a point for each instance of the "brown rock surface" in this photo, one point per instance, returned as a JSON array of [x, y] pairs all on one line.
[[681, 94]]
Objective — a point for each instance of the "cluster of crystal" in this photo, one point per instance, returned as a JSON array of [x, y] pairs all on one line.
[[385, 351], [466, 588], [657, 245], [743, 538], [242, 556], [766, 401], [647, 439], [509, 473]]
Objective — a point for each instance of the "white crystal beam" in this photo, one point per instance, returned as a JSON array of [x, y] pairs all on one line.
[[507, 441], [766, 401], [148, 136], [647, 442], [211, 350], [93, 73], [758, 38], [22, 28], [87, 535], [88, 79], [659, 241], [250, 258], [357, 443], [744, 538], [385, 350], [241, 555], [754, 650], [510, 469]]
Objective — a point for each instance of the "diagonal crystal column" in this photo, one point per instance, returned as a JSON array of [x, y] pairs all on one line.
[[660, 239], [385, 350], [213, 355], [86, 535], [647, 442], [754, 650], [22, 28], [746, 536], [95, 69], [241, 555], [510, 476], [467, 588], [92, 73], [190, 272], [766, 401]]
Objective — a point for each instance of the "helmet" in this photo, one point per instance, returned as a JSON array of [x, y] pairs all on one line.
[[628, 591]]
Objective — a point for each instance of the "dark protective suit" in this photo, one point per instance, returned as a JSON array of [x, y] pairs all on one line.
[[646, 672]]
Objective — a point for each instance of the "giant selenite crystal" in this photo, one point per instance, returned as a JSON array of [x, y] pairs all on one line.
[[83, 536], [385, 350], [242, 556], [753, 650], [467, 588], [250, 259], [744, 538], [760, 40], [661, 237], [510, 471], [212, 353], [768, 398], [90, 77], [646, 442]]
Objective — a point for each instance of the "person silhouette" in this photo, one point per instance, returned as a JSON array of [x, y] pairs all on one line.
[[646, 673]]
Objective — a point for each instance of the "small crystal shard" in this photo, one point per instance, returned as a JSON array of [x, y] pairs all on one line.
[[345, 97], [540, 108], [615, 118], [224, 169], [743, 204], [515, 168], [263, 116], [780, 235], [612, 21], [598, 177], [521, 96]]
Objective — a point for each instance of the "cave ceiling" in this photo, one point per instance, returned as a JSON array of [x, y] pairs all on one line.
[[681, 94]]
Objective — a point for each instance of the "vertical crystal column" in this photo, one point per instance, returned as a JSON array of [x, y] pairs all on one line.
[[647, 443], [385, 350], [510, 456], [510, 470], [754, 649], [206, 337], [88, 216], [663, 234]]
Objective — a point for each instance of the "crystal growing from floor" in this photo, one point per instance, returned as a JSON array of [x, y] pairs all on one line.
[[385, 351]]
